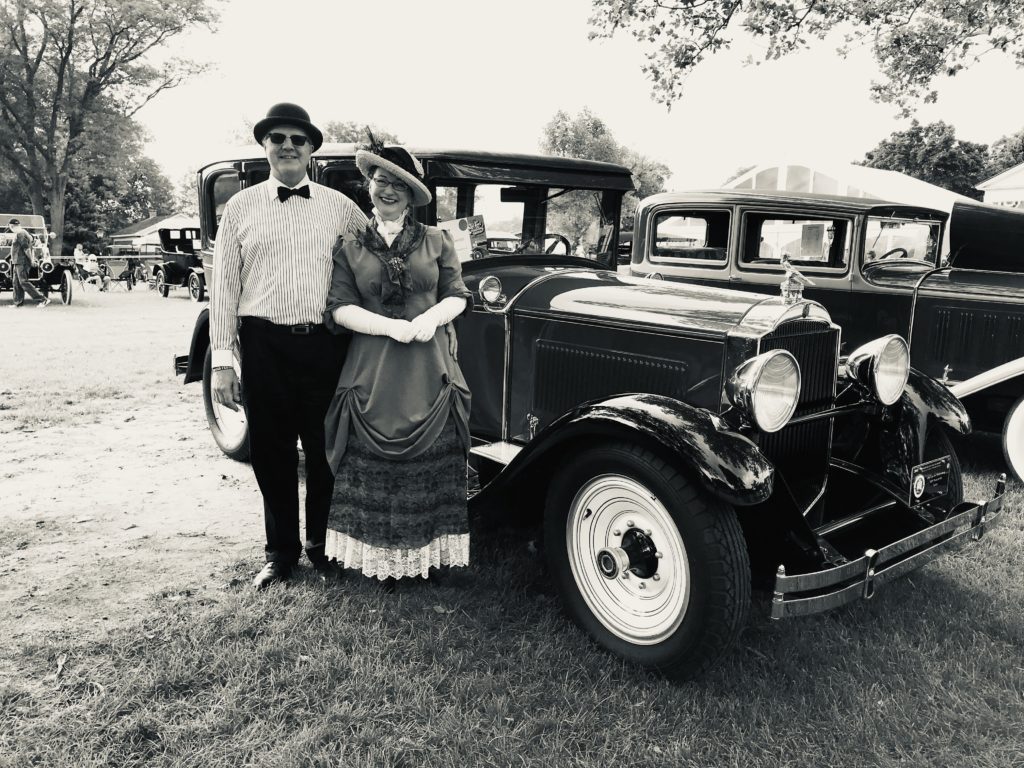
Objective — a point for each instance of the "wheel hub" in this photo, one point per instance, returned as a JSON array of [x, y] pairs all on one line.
[[637, 555]]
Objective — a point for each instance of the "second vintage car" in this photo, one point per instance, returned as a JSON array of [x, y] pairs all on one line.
[[878, 267], [680, 444]]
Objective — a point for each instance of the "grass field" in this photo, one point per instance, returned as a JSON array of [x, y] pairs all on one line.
[[480, 669]]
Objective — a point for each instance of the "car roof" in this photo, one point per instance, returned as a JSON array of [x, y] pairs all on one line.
[[754, 196], [328, 151]]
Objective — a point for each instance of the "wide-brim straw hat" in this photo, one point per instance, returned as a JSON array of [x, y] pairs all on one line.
[[288, 114], [401, 163]]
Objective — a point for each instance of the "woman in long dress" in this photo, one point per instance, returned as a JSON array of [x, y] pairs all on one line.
[[398, 427]]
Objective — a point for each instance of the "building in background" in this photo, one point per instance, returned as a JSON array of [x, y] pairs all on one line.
[[1006, 188], [145, 232]]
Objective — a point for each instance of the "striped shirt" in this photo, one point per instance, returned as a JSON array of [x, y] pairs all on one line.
[[273, 260]]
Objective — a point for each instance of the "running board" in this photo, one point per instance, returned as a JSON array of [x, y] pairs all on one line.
[[500, 452]]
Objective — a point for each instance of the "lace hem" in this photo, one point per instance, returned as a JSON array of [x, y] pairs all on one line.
[[385, 562]]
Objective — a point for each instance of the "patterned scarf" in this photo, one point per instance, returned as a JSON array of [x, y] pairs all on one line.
[[395, 281]]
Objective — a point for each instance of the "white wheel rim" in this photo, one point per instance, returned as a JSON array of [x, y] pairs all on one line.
[[232, 424], [1013, 439], [639, 611]]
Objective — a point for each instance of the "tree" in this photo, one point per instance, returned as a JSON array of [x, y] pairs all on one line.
[[1004, 154], [932, 153], [587, 136], [71, 71], [913, 41], [353, 132]]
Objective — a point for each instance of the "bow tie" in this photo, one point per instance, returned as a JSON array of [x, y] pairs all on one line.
[[283, 193]]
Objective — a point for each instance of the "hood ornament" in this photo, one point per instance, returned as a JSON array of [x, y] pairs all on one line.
[[793, 285]]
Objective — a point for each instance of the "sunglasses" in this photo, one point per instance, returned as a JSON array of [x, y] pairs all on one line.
[[398, 186], [298, 140]]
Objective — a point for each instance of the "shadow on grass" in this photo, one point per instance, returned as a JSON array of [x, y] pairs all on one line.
[[483, 668]]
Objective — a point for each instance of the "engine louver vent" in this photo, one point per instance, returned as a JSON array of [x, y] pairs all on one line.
[[568, 375]]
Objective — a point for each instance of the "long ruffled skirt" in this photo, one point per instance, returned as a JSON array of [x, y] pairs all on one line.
[[397, 518]]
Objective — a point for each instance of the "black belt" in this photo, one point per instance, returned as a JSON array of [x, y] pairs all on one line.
[[302, 329]]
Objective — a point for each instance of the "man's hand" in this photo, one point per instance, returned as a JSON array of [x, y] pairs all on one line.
[[424, 326], [225, 388]]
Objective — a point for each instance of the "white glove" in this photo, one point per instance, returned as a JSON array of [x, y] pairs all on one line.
[[361, 320], [440, 314]]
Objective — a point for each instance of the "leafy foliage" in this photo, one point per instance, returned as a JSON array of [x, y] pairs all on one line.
[[586, 136], [71, 72], [354, 132], [913, 41], [1005, 153], [932, 153]]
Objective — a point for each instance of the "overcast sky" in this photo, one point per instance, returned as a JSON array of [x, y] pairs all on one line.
[[484, 74]]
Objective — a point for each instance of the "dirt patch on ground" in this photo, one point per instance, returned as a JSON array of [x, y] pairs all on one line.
[[111, 489]]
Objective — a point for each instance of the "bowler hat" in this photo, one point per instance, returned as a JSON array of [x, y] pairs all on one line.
[[13, 221], [288, 114]]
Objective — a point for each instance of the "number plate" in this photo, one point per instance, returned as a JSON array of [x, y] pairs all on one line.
[[929, 481]]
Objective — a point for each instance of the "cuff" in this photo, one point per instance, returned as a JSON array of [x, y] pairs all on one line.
[[221, 358]]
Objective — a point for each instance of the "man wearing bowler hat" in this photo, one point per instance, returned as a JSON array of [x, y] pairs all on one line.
[[272, 272]]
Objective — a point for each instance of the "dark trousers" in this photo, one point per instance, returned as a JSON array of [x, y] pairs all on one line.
[[22, 285], [288, 382]]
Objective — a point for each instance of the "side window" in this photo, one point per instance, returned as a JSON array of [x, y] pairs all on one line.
[[350, 182], [810, 241], [219, 190], [698, 238]]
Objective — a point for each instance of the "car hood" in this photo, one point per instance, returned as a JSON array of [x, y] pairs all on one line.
[[621, 299]]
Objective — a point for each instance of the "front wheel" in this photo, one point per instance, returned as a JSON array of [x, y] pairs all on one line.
[[161, 283], [229, 428], [1013, 439], [66, 282], [651, 566]]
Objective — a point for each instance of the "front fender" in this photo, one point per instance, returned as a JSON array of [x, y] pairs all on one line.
[[727, 465], [923, 401]]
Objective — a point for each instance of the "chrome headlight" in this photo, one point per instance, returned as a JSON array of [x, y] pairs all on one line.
[[882, 366], [46, 266], [767, 388]]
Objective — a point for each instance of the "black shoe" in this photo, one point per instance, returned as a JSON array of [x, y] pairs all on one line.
[[327, 570], [272, 573]]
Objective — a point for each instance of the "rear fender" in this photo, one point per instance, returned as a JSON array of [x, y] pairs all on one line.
[[197, 349], [727, 465]]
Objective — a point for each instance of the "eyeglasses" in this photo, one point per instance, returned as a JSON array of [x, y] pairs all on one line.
[[298, 140], [398, 186]]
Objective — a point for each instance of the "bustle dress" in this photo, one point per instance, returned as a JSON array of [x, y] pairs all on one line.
[[397, 430]]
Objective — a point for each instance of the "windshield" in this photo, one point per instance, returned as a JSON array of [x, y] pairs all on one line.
[[895, 239], [503, 219]]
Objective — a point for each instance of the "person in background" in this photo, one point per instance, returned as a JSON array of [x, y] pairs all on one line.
[[22, 258], [398, 426], [273, 256]]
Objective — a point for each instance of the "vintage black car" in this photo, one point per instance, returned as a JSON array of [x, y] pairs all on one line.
[[178, 264], [49, 273], [679, 443], [952, 285]]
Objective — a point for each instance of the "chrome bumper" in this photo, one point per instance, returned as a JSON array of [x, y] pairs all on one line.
[[807, 593]]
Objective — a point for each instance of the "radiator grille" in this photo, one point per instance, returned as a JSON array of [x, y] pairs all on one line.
[[803, 449], [568, 374]]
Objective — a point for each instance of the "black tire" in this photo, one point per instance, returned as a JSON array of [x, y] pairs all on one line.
[[196, 286], [233, 445], [936, 445], [161, 283], [698, 629], [66, 285]]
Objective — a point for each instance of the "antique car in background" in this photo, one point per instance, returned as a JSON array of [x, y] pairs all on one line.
[[49, 273], [677, 443], [178, 263], [878, 268]]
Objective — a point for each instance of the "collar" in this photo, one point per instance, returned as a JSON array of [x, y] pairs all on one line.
[[273, 183]]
